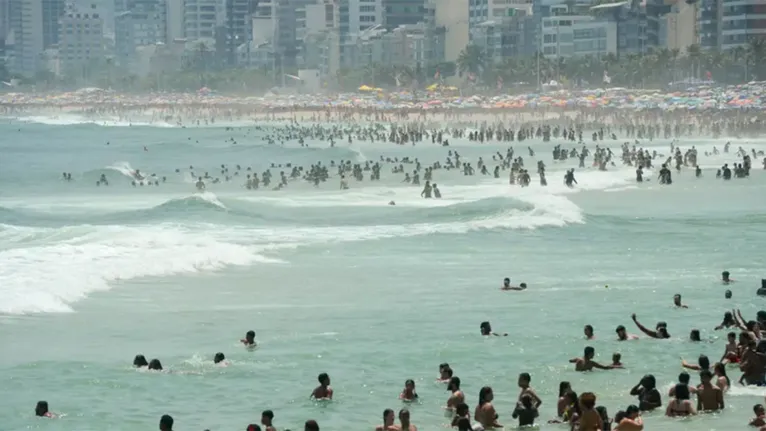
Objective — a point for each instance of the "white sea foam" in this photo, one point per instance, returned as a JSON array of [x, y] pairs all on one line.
[[71, 120], [49, 277]]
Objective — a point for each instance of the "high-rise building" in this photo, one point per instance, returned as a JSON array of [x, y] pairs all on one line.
[[741, 22], [52, 10], [138, 23], [403, 12], [81, 44], [3, 28], [26, 26], [201, 17]]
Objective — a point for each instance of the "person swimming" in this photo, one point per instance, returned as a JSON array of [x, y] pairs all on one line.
[[41, 410], [220, 359], [249, 339], [408, 393], [486, 330], [507, 285], [323, 391], [140, 361], [155, 365]]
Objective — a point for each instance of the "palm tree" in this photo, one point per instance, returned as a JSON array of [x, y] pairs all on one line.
[[757, 52], [471, 60]]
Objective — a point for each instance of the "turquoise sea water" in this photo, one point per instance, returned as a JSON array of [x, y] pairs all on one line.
[[340, 282]]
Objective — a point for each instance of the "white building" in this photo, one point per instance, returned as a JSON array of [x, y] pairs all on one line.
[[201, 17], [81, 44], [138, 23], [174, 14], [27, 28], [578, 35]]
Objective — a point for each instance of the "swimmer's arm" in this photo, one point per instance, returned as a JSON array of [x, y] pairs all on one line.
[[515, 413], [537, 402], [689, 366], [636, 390], [644, 329], [574, 360], [601, 367], [329, 393]]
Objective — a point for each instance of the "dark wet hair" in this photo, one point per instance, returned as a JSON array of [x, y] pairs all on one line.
[[727, 294], [485, 328], [387, 412], [462, 409], [322, 377], [155, 364], [250, 334], [268, 414], [620, 415], [757, 407], [684, 378], [703, 362], [603, 413], [589, 351], [706, 374], [649, 382], [166, 423], [694, 335], [682, 391], [525, 376], [311, 425], [443, 365], [632, 409], [464, 424], [454, 383], [140, 361], [589, 328], [616, 357], [721, 370], [41, 408], [564, 387], [253, 427], [619, 328], [483, 394], [218, 357]]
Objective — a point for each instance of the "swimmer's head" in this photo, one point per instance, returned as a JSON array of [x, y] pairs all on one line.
[[250, 336], [388, 417], [155, 364], [218, 358], [677, 299], [324, 379], [524, 380], [166, 423], [485, 328], [461, 410], [703, 362], [564, 387], [404, 415], [267, 416], [454, 384], [684, 378], [253, 427], [41, 409], [621, 333], [725, 275], [311, 425], [682, 391], [649, 382], [589, 352], [616, 357], [506, 282], [759, 410], [632, 411], [588, 330], [523, 285], [140, 361], [409, 384], [694, 335], [727, 295]]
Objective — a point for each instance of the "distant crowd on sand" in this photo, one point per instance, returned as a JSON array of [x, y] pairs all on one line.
[[744, 351]]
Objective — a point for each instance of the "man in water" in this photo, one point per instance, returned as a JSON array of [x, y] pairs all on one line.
[[323, 391], [677, 301], [586, 363], [622, 334], [249, 340], [200, 185], [709, 396], [166, 423], [507, 285], [661, 331]]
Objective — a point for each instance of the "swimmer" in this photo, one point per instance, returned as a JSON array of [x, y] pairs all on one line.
[[526, 390], [507, 285], [683, 379], [485, 412], [41, 410], [311, 425], [200, 185], [166, 423], [661, 331], [649, 397], [709, 396], [760, 416], [408, 393], [249, 339], [445, 373], [588, 331], [616, 360], [140, 361], [457, 396], [586, 363], [267, 420], [725, 279], [677, 301], [392, 203], [389, 421], [253, 427], [404, 421], [622, 334], [525, 412], [220, 359], [323, 391], [486, 330], [155, 365]]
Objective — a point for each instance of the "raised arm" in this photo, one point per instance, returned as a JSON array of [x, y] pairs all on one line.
[[643, 328]]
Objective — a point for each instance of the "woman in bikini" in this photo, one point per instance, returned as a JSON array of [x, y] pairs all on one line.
[[485, 413], [680, 405]]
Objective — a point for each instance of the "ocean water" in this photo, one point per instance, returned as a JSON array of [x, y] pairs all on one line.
[[340, 282]]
